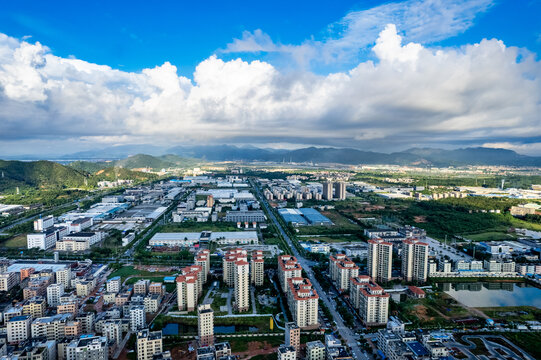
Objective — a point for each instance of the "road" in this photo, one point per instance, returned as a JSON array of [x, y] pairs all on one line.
[[342, 329]]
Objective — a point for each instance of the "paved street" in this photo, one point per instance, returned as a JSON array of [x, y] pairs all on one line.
[[343, 330]]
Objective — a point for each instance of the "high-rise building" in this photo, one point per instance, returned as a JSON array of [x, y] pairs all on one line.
[[242, 285], [370, 300], [257, 268], [87, 347], [18, 328], [414, 260], [287, 353], [149, 343], [341, 270], [293, 335], [54, 292], [202, 258], [189, 286], [315, 350], [380, 260], [205, 325], [327, 191], [288, 267], [340, 190], [228, 264], [303, 302], [210, 201]]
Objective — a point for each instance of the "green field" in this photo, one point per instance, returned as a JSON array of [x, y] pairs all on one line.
[[192, 226], [18, 241], [491, 236]]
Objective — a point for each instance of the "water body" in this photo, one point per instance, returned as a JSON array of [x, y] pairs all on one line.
[[493, 294]]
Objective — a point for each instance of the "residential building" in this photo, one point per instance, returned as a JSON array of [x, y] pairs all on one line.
[[303, 302], [156, 288], [69, 307], [35, 307], [341, 269], [149, 343], [287, 353], [50, 327], [114, 284], [327, 191], [340, 190], [141, 287], [137, 317], [293, 335], [315, 350], [64, 277], [242, 285], [18, 329], [257, 264], [87, 347], [202, 258], [8, 280], [414, 260], [288, 267], [152, 303], [112, 330], [380, 260], [54, 292], [228, 264], [205, 325], [370, 300]]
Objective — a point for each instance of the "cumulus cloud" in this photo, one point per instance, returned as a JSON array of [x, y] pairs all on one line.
[[410, 94], [422, 21]]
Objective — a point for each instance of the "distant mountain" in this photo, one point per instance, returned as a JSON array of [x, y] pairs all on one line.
[[414, 156], [474, 156], [138, 161], [116, 152]]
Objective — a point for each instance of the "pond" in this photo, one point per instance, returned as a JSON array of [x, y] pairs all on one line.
[[180, 329], [493, 294]]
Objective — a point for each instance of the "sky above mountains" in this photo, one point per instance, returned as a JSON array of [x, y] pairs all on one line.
[[373, 75]]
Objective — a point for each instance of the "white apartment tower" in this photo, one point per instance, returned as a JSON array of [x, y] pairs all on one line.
[[414, 260], [242, 285], [380, 260]]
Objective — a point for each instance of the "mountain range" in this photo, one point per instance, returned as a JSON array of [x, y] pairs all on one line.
[[156, 157]]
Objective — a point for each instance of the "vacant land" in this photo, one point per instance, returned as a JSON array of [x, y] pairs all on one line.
[[130, 271], [192, 226], [18, 241], [512, 313]]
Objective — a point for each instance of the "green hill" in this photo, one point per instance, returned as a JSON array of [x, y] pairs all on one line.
[[144, 161], [138, 161], [40, 174]]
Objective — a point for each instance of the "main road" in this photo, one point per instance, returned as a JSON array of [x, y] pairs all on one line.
[[342, 329]]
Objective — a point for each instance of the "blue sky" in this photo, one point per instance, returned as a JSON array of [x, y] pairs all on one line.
[[139, 34], [374, 75]]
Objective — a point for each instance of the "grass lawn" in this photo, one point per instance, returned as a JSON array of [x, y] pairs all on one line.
[[342, 225], [261, 322], [491, 236], [128, 271], [18, 241], [512, 313]]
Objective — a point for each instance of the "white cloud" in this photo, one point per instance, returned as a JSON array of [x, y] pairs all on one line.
[[411, 94], [422, 21]]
